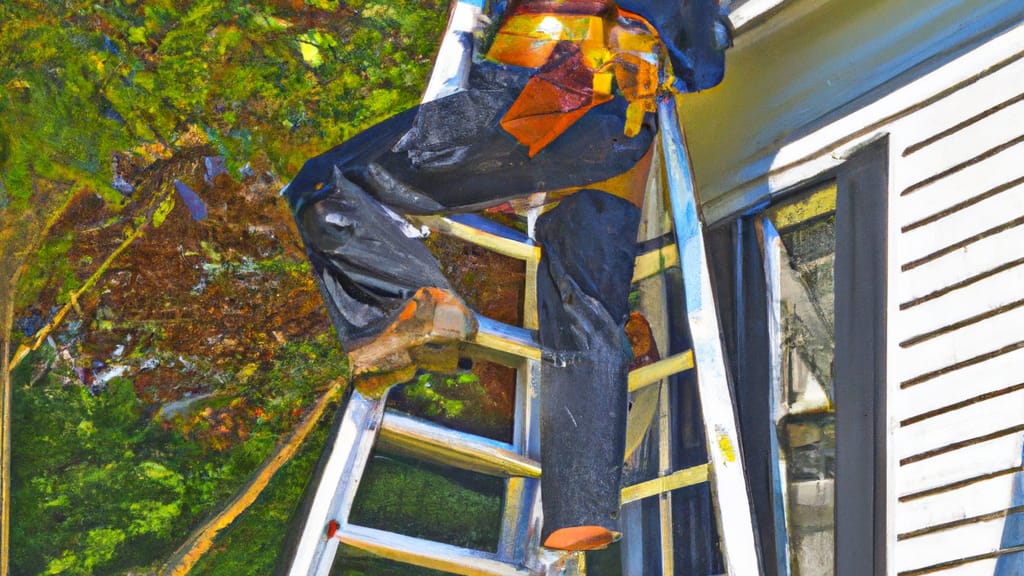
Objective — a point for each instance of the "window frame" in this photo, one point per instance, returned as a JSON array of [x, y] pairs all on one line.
[[862, 183]]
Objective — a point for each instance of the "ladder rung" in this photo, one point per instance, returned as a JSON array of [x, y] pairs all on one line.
[[523, 343], [676, 480], [653, 262], [425, 553], [485, 233], [491, 227], [436, 443], [660, 370], [506, 338], [509, 242]]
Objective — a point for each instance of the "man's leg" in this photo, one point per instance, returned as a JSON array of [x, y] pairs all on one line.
[[368, 261], [588, 248], [391, 305], [411, 163]]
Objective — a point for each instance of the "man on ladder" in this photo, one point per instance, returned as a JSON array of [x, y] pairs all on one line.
[[563, 104]]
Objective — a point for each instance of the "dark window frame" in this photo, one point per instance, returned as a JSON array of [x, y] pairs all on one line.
[[861, 511]]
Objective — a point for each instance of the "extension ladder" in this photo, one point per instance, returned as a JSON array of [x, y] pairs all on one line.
[[366, 421]]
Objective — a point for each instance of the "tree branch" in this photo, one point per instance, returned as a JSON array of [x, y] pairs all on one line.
[[201, 539]]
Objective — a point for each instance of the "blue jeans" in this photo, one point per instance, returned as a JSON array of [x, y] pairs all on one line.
[[451, 156]]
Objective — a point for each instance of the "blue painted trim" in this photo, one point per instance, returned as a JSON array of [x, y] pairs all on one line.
[[1013, 533], [771, 237], [756, 209]]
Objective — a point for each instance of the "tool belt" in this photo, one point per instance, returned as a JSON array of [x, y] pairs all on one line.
[[583, 58]]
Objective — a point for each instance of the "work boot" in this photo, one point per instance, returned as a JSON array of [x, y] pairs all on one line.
[[579, 538], [425, 334]]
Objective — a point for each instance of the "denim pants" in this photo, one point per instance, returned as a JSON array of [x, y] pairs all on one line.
[[451, 156]]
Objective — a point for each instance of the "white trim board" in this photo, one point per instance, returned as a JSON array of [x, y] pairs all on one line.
[[746, 140]]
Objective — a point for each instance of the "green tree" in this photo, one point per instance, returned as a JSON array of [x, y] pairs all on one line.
[[150, 80]]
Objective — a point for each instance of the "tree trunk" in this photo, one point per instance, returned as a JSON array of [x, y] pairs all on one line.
[[6, 324]]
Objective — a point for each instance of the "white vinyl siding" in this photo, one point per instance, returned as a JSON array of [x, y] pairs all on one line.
[[955, 323], [958, 334]]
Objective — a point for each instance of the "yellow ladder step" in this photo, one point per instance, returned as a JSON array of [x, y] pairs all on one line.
[[656, 372], [681, 479]]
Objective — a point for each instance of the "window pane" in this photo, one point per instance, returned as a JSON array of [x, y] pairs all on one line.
[[804, 411]]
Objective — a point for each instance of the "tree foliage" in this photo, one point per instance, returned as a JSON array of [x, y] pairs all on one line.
[[105, 485], [105, 105], [99, 477], [83, 80]]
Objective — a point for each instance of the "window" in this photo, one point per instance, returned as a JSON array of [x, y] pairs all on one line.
[[797, 240], [801, 284]]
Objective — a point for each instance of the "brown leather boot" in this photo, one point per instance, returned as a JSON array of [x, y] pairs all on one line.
[[425, 334]]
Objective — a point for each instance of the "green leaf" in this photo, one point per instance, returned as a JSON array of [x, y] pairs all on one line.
[[163, 210], [62, 565], [310, 53], [145, 80], [100, 545], [137, 34]]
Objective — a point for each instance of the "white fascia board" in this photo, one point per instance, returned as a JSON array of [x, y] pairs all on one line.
[[801, 92]]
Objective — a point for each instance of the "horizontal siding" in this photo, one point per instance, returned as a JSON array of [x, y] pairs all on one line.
[[985, 419], [984, 564], [960, 387], [952, 349], [979, 499], [988, 129], [938, 196], [984, 567], [974, 300], [959, 468], [987, 93], [985, 257], [958, 334], [949, 545], [985, 135], [961, 226]]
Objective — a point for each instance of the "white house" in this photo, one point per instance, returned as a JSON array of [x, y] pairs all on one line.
[[884, 140]]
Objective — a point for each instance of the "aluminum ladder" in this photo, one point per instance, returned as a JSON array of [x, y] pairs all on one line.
[[367, 422]]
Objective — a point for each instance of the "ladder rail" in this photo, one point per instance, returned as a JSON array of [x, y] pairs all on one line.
[[521, 519], [728, 477], [337, 488], [519, 553]]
